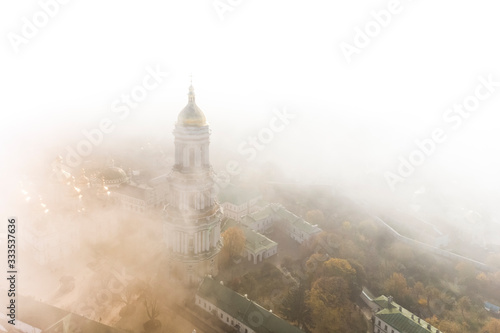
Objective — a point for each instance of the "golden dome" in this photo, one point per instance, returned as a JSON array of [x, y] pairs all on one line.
[[191, 115], [113, 176]]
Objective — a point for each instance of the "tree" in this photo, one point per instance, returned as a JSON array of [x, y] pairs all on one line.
[[418, 289], [331, 309], [464, 304], [466, 271], [397, 287], [315, 216], [431, 293], [339, 267], [450, 327], [491, 326], [152, 310], [354, 276], [294, 306], [234, 241]]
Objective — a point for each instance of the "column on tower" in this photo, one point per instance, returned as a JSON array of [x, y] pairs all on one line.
[[183, 242], [171, 240], [199, 241], [176, 242], [205, 154], [186, 242], [202, 241], [212, 238], [197, 158], [179, 242], [195, 243]]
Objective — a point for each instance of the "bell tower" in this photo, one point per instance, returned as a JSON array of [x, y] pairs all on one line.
[[192, 217]]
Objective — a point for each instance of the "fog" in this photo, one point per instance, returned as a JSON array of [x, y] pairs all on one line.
[[404, 118]]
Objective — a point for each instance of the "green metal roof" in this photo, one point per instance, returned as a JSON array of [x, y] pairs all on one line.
[[76, 323], [261, 214], [296, 221], [51, 319], [242, 309], [254, 241], [237, 195], [399, 318]]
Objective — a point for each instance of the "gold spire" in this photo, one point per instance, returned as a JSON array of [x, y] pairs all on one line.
[[191, 89], [191, 115]]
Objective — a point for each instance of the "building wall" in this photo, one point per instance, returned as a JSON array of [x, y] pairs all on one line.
[[221, 315], [381, 326]]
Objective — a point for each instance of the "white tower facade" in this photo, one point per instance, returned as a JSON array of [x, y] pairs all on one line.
[[192, 217]]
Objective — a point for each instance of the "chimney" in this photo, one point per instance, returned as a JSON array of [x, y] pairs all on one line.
[[389, 300], [400, 309]]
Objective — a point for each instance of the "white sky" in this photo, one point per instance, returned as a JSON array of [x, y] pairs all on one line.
[[351, 118]]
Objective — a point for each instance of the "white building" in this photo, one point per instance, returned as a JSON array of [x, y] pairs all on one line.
[[192, 217], [238, 202], [237, 311], [257, 246], [390, 317]]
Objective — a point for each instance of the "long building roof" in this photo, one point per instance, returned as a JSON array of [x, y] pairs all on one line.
[[254, 241], [242, 309], [401, 319]]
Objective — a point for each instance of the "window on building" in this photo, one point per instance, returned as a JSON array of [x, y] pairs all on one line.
[[379, 323], [227, 319], [222, 316], [385, 327]]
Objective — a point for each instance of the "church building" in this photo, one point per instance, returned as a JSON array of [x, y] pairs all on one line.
[[192, 216]]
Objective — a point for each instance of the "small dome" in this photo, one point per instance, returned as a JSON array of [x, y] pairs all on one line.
[[191, 115], [113, 176]]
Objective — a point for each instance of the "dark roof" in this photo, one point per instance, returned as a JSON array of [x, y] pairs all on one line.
[[400, 322], [51, 319], [399, 318], [242, 309], [75, 323], [38, 314]]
